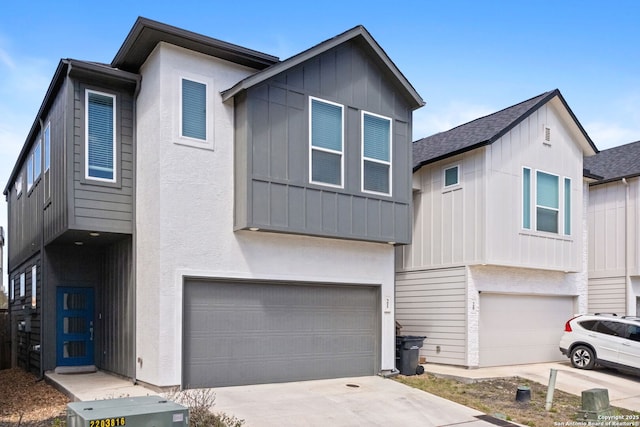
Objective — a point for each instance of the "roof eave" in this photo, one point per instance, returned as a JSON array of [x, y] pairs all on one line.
[[146, 34], [451, 154]]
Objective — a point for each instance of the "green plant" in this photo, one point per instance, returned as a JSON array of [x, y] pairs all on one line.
[[200, 403]]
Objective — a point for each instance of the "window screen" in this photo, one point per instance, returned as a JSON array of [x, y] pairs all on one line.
[[100, 136], [326, 142], [376, 143], [194, 109]]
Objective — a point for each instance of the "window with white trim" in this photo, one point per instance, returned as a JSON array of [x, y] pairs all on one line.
[[37, 161], [29, 173], [34, 285], [47, 147], [376, 153], [326, 140], [100, 136], [12, 290], [23, 279], [193, 103], [451, 176], [546, 204], [18, 185]]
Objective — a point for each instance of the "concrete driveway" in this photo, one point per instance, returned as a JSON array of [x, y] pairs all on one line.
[[624, 390], [362, 401]]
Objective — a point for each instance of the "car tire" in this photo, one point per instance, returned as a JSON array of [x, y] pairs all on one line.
[[582, 357]]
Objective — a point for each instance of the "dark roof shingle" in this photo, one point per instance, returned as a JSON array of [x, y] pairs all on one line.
[[482, 131], [615, 163]]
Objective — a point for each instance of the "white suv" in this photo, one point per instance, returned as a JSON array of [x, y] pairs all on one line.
[[602, 339]]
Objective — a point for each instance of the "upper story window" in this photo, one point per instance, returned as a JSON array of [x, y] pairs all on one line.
[[29, 173], [11, 290], [23, 279], [451, 176], [47, 147], [100, 136], [37, 161], [326, 161], [18, 185], [194, 110], [376, 153], [544, 211]]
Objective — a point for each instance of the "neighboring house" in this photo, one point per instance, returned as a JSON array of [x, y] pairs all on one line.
[[614, 235], [1, 259], [498, 259], [201, 214]]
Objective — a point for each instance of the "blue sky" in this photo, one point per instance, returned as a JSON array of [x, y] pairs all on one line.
[[466, 58]]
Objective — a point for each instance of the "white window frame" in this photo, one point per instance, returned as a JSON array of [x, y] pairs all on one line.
[[12, 289], [30, 180], [207, 143], [533, 203], [326, 150], [558, 209], [37, 160], [46, 147], [34, 285], [444, 176], [113, 138], [18, 185], [23, 279], [369, 159]]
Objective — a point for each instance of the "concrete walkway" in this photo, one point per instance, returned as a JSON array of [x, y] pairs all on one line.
[[361, 401], [624, 390]]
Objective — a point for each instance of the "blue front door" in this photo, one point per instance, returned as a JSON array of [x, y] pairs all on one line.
[[74, 327]]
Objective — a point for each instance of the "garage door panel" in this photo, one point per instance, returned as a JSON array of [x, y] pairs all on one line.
[[243, 333], [518, 329]]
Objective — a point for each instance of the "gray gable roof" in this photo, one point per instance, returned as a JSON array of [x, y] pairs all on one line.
[[357, 32], [615, 163], [483, 131]]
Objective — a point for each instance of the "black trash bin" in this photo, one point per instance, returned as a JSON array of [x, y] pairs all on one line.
[[407, 354]]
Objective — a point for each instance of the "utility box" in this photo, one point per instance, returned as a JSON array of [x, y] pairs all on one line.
[[146, 411]]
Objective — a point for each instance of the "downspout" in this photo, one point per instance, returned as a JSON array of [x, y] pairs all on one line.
[[627, 277]]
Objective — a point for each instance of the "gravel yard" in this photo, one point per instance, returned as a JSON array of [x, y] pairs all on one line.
[[27, 402]]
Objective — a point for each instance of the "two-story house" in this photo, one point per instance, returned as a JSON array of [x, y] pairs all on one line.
[[498, 259], [197, 213], [614, 239]]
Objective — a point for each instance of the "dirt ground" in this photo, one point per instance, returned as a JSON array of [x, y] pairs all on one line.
[[27, 402], [497, 398]]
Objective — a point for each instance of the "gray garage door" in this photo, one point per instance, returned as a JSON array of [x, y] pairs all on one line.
[[237, 333]]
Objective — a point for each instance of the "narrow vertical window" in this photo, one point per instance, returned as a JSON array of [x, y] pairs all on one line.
[[37, 161], [100, 136], [30, 172], [47, 147], [18, 186], [12, 290], [526, 198], [34, 285], [547, 202], [451, 176], [567, 206], [194, 109], [376, 153], [22, 284], [326, 142]]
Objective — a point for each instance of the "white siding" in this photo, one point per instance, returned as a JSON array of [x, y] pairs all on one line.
[[448, 224], [607, 295], [184, 220], [432, 303], [508, 244]]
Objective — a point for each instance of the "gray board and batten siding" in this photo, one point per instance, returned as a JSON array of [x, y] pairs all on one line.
[[268, 332], [272, 151]]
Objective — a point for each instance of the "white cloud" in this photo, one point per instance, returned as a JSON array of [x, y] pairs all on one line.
[[428, 121], [608, 134]]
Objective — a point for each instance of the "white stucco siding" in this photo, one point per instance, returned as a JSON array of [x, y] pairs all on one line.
[[508, 243], [184, 220]]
